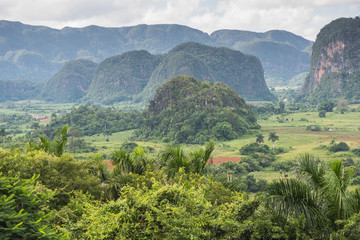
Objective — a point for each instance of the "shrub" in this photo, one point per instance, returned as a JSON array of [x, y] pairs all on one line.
[[285, 166], [356, 151], [341, 146], [322, 113], [314, 128], [254, 148]]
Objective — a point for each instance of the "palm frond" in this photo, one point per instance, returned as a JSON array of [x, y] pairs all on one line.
[[311, 169], [293, 197], [122, 162], [342, 200]]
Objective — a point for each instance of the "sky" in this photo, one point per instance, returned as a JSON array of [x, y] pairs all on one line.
[[302, 17]]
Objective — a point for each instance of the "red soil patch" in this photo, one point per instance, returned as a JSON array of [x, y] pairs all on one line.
[[218, 161], [109, 165]]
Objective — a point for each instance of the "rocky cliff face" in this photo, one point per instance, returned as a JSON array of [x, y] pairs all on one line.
[[335, 58]]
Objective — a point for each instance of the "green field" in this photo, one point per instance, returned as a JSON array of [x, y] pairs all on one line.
[[290, 127]]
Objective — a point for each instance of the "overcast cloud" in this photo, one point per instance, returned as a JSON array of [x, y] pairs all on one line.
[[303, 17]]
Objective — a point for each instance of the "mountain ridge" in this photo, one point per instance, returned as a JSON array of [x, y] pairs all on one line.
[[97, 43]]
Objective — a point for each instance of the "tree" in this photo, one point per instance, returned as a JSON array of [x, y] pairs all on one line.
[[125, 162], [281, 106], [318, 194], [74, 134], [322, 113], [2, 134], [273, 137], [174, 157], [259, 138], [55, 146], [23, 213], [35, 125], [327, 106]]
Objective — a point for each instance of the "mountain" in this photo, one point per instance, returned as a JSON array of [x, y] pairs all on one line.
[[185, 110], [71, 83], [44, 50], [335, 62], [23, 64], [282, 54], [241, 72], [15, 90], [137, 74], [120, 77]]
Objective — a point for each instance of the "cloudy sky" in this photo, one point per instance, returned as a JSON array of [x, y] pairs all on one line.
[[302, 17]]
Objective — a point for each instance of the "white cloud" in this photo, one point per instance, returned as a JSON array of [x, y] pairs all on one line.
[[304, 17]]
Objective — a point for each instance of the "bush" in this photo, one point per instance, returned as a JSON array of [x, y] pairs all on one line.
[[285, 166], [356, 151], [128, 146], [254, 148], [314, 128], [341, 146], [322, 113], [279, 150]]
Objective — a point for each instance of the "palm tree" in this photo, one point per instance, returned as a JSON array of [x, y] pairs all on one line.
[[98, 168], [200, 158], [273, 137], [259, 138], [317, 194], [173, 158], [56, 146], [125, 163]]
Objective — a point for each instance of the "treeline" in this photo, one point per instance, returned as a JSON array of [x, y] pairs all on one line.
[[91, 120]]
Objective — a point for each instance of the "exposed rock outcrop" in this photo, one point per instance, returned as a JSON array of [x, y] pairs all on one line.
[[335, 62]]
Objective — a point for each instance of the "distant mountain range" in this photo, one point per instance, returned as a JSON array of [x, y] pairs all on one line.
[[36, 53], [136, 75]]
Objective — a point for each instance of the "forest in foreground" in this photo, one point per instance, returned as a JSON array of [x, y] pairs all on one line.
[[59, 185]]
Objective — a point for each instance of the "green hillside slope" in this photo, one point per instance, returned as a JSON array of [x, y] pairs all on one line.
[[185, 110]]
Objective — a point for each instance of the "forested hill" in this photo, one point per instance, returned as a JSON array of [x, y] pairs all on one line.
[[71, 83], [121, 77], [185, 110], [37, 52], [241, 72], [16, 90], [136, 75], [335, 62], [282, 54]]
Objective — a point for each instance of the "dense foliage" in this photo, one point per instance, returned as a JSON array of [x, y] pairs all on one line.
[[241, 72], [120, 77], [24, 213], [71, 82], [16, 90], [90, 120], [186, 110], [178, 196]]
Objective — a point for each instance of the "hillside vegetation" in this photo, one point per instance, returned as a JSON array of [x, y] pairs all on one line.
[[241, 72], [282, 54], [16, 90], [120, 77], [71, 83], [136, 75], [185, 110]]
